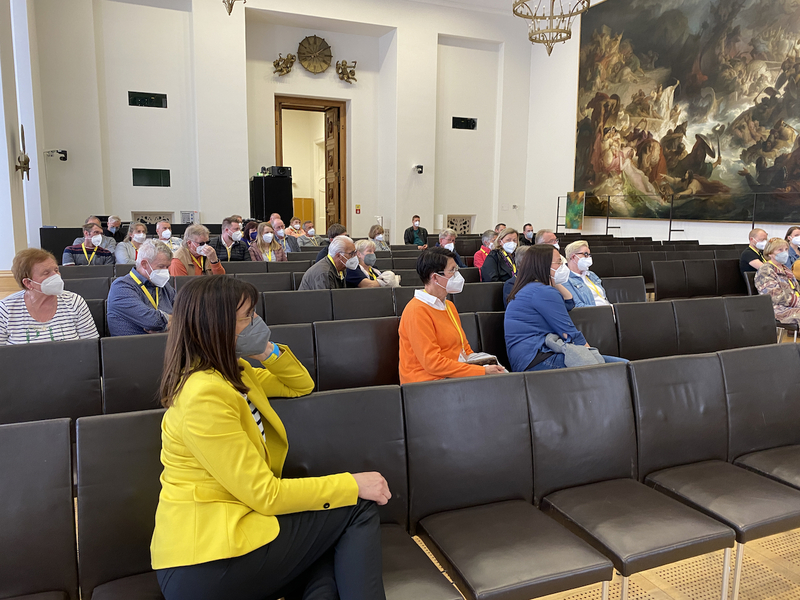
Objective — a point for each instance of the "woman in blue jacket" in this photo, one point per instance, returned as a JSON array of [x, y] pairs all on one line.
[[537, 307], [586, 287]]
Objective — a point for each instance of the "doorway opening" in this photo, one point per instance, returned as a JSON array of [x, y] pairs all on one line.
[[310, 137]]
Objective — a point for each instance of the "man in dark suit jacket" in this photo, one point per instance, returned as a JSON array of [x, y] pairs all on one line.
[[416, 235], [114, 229]]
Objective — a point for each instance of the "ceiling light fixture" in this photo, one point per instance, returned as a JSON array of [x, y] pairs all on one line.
[[550, 21]]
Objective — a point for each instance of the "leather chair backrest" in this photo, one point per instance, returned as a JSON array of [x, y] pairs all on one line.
[[118, 487], [471, 274], [355, 303], [641, 247], [727, 254], [469, 323], [762, 386], [296, 266], [408, 277], [383, 254], [50, 380], [233, 267], [646, 259], [596, 323], [617, 248], [701, 277], [669, 280], [349, 431], [626, 264], [357, 353], [404, 252], [384, 264], [646, 329], [582, 427], [268, 282], [402, 296], [751, 320], [122, 270], [491, 326], [303, 255], [404, 263], [683, 252], [729, 278], [598, 249], [602, 263], [300, 339], [98, 310], [625, 289], [702, 325], [468, 443], [132, 368], [479, 297], [302, 306], [37, 524], [750, 282], [681, 417], [179, 281], [81, 271]]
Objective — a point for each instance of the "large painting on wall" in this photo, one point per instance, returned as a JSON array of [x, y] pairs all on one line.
[[690, 102]]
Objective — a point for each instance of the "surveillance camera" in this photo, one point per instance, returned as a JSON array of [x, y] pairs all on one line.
[[418, 168], [62, 155]]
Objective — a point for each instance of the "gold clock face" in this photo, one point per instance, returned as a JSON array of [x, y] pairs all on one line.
[[314, 54]]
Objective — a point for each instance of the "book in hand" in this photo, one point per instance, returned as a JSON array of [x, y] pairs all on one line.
[[480, 359]]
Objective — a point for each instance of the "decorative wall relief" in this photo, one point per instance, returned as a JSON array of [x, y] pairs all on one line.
[[346, 72], [283, 66]]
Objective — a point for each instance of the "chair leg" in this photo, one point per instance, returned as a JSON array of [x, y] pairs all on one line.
[[795, 336], [780, 335], [726, 572], [623, 595], [737, 572], [604, 591]]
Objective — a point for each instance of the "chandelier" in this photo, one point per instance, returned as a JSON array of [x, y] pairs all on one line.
[[550, 20]]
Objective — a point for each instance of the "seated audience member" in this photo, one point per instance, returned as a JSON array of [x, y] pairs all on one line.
[[89, 251], [376, 235], [42, 311], [487, 243], [250, 232], [164, 233], [295, 228], [227, 525], [546, 236], [432, 342], [527, 235], [334, 231], [309, 237], [230, 246], [365, 275], [586, 287], [287, 242], [537, 307], [125, 252], [274, 216], [141, 301], [793, 239], [499, 265], [108, 242], [773, 278], [499, 227], [509, 285], [266, 247], [753, 257], [195, 256], [447, 239], [416, 235], [328, 274], [114, 229]]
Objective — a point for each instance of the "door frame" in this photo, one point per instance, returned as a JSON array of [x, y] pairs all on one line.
[[316, 105]]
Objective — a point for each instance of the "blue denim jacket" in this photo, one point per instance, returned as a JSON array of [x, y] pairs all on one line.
[[582, 293]]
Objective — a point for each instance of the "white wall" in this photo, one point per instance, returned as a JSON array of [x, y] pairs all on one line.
[[301, 130]]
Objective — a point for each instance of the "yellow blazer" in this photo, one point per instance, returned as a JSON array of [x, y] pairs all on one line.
[[221, 486]]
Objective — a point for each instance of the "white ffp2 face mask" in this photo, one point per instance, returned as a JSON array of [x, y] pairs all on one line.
[[510, 247], [280, 233], [97, 240], [761, 245], [159, 277], [52, 286], [584, 263], [267, 237], [379, 237], [451, 246], [311, 232], [236, 236], [166, 234], [352, 263], [416, 223], [138, 237], [561, 275], [454, 285]]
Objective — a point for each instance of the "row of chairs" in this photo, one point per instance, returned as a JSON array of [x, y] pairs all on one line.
[[697, 278], [550, 481], [90, 377]]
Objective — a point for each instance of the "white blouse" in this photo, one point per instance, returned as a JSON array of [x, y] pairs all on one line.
[[72, 321]]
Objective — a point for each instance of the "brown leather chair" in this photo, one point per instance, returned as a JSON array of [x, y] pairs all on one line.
[[90, 288], [355, 303], [132, 368], [626, 264], [98, 310], [729, 278], [470, 489], [302, 306], [402, 296], [701, 278], [596, 323], [702, 325], [491, 327], [37, 524], [751, 320], [232, 267], [625, 289], [469, 324], [646, 329], [82, 271], [300, 339], [479, 297], [295, 266], [408, 277], [669, 280], [268, 282]]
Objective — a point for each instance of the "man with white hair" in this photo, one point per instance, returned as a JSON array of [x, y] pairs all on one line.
[[114, 229], [546, 236], [447, 240], [328, 273], [141, 301], [164, 233]]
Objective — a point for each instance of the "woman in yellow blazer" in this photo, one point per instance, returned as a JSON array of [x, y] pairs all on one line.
[[227, 525]]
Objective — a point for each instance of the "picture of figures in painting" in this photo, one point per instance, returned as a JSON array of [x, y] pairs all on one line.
[[693, 100]]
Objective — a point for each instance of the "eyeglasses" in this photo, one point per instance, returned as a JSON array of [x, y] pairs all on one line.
[[445, 274], [586, 254], [350, 254]]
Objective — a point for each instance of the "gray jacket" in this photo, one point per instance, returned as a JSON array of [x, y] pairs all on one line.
[[322, 275], [574, 354]]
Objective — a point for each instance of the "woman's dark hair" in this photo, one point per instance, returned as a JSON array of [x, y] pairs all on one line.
[[432, 260], [788, 236], [202, 332], [534, 265]]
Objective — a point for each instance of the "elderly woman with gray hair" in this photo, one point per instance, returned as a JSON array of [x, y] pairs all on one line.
[[365, 275], [141, 301], [586, 287]]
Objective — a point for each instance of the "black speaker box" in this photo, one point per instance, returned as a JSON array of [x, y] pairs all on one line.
[[271, 195]]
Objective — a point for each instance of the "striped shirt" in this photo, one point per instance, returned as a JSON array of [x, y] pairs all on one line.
[[72, 321], [74, 255], [256, 415]]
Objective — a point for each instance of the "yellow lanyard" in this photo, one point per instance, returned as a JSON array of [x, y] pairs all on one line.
[[144, 289], [199, 265], [594, 287], [455, 323], [86, 254], [372, 275], [760, 256], [229, 251], [485, 253], [341, 275], [789, 279], [510, 262], [269, 255]]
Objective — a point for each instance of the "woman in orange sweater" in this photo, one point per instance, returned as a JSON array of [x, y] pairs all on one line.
[[431, 336]]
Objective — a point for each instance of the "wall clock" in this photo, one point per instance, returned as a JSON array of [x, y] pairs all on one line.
[[314, 53]]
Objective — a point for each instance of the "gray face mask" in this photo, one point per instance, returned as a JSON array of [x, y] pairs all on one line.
[[254, 339], [369, 260]]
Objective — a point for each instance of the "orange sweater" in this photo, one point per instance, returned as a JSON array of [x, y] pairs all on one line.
[[430, 344]]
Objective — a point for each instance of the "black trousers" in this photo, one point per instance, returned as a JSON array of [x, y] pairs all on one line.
[[321, 555]]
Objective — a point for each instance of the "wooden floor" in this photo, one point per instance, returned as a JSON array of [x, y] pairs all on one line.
[[771, 571]]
